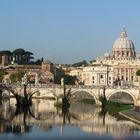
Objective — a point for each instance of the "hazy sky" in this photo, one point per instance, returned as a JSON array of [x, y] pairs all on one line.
[[67, 31]]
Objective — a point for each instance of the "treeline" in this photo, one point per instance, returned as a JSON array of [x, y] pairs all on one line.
[[81, 63], [20, 56]]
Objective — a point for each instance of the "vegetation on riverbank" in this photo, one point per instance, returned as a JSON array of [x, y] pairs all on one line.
[[113, 108]]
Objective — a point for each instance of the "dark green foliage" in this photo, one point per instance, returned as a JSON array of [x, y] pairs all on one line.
[[68, 80], [5, 52], [78, 64], [114, 108], [15, 77], [39, 61], [2, 72], [138, 72], [22, 56], [91, 61], [19, 51]]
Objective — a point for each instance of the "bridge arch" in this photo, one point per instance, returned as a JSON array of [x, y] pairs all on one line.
[[123, 91], [38, 91], [86, 91]]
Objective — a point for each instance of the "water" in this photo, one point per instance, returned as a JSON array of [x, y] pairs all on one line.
[[44, 121]]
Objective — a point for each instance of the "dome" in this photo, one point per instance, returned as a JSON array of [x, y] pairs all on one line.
[[123, 42], [123, 48]]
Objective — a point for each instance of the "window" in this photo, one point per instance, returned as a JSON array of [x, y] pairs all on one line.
[[101, 76]]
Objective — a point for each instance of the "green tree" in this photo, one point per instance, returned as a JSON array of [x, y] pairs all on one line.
[[18, 54], [22, 56], [6, 52], [78, 64], [91, 61], [68, 79], [138, 74], [2, 72], [17, 76], [27, 56]]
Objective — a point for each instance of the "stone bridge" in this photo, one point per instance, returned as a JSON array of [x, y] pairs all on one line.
[[57, 91]]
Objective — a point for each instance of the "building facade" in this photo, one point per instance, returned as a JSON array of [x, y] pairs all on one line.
[[116, 68]]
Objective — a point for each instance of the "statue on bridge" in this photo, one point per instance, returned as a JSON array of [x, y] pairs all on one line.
[[24, 79], [36, 79], [62, 81]]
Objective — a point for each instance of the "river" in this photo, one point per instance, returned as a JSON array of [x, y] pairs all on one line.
[[44, 121]]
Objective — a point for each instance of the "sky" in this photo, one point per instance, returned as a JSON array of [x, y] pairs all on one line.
[[67, 31]]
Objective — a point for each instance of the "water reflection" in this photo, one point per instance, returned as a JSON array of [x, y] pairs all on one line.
[[47, 118]]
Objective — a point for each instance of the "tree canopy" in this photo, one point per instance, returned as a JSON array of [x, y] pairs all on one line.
[[21, 56], [19, 51], [1, 74], [138, 72], [17, 76], [5, 52], [78, 64], [68, 80]]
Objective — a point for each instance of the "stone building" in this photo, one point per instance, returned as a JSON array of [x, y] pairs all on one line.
[[118, 67]]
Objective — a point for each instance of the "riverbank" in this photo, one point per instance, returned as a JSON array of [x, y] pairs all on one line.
[[131, 114]]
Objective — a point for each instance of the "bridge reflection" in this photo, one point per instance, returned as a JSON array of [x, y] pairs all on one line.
[[45, 115]]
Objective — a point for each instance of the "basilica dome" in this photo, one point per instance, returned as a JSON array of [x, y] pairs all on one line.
[[123, 48]]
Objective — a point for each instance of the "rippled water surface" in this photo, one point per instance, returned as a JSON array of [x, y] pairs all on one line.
[[44, 121]]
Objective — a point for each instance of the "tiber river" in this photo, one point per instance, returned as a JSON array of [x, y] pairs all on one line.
[[44, 121]]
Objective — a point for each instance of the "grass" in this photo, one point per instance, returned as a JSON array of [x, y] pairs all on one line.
[[113, 108]]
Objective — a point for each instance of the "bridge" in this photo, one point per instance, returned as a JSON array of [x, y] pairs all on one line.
[[128, 94]]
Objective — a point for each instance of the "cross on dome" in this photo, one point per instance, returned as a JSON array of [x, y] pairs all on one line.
[[123, 33]]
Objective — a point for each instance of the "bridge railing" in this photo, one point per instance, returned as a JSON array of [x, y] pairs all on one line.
[[69, 86]]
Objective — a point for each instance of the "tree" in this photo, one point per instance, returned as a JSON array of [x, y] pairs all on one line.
[[68, 79], [18, 54], [78, 64], [27, 56], [17, 76], [91, 61], [39, 61], [138, 74], [7, 53], [2, 72], [22, 56]]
